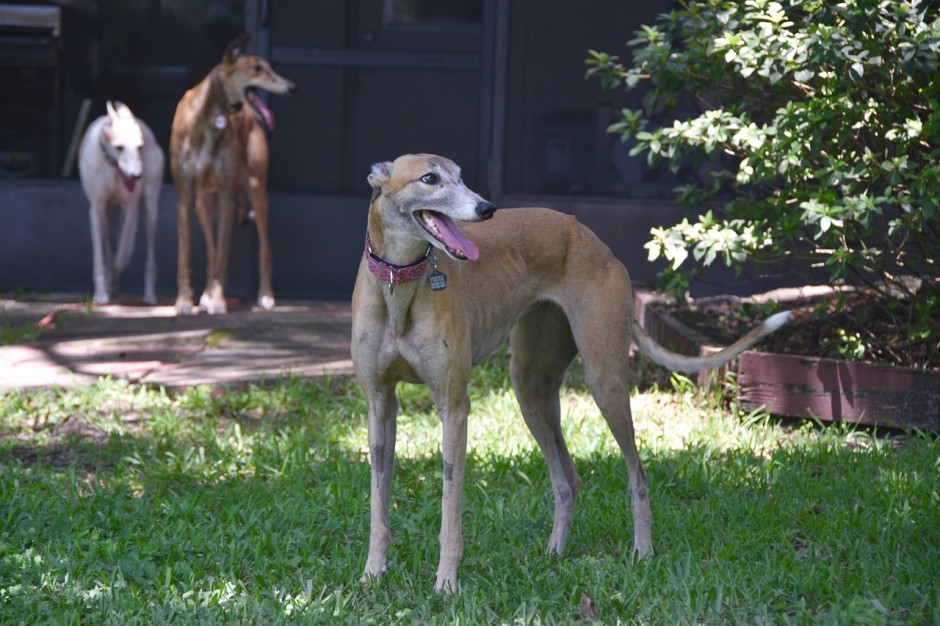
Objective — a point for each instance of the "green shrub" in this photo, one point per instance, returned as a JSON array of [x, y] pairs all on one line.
[[820, 125]]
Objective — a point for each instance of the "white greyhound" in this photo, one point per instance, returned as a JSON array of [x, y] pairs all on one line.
[[119, 162]]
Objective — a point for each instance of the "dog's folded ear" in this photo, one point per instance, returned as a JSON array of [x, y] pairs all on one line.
[[380, 175], [117, 109], [236, 48]]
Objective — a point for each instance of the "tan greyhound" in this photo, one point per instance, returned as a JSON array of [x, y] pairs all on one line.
[[431, 300], [218, 151]]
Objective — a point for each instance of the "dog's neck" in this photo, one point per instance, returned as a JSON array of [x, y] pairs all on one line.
[[399, 250], [395, 274], [128, 182], [212, 103], [106, 151], [391, 244]]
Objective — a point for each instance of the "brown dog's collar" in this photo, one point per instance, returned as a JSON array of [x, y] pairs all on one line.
[[390, 273]]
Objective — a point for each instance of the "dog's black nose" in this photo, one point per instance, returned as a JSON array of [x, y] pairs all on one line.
[[291, 87], [485, 209]]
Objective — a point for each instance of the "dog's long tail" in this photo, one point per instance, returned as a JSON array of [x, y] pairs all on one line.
[[692, 364]]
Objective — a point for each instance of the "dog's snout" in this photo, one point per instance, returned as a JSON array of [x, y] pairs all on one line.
[[485, 209]]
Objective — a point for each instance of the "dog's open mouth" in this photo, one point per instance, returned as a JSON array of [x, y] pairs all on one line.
[[443, 229], [261, 110], [129, 181]]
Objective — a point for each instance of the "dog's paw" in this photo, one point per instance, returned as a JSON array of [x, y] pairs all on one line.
[[642, 552], [213, 305], [266, 302], [150, 299], [446, 585], [370, 577], [184, 307], [101, 298]]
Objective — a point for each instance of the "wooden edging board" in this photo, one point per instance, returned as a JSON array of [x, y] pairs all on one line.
[[838, 390], [811, 387]]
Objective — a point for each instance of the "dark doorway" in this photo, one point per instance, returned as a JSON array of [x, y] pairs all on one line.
[[378, 79]]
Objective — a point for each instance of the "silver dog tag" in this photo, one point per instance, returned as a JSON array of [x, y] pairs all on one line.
[[436, 279]]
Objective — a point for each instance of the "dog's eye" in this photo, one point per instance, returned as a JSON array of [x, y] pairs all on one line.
[[257, 68], [429, 179]]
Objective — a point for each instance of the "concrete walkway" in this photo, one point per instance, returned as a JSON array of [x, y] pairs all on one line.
[[78, 344]]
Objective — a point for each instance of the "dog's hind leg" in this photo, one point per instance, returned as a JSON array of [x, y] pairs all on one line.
[[603, 337], [542, 349], [599, 306], [383, 412]]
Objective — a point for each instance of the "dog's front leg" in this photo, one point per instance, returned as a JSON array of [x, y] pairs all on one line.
[[125, 246], [383, 412], [454, 450], [257, 155], [101, 267]]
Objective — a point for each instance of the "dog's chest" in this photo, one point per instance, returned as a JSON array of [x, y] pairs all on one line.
[[210, 154]]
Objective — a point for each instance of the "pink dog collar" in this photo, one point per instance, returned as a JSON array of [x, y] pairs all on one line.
[[392, 274]]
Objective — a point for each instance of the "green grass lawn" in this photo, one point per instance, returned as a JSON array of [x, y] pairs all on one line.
[[129, 505]]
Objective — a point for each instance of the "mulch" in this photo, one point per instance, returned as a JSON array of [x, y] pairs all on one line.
[[828, 325]]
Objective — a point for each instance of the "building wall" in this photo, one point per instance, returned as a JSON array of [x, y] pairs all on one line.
[[367, 91], [317, 242]]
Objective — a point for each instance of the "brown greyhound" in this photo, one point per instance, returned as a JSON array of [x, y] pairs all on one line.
[[431, 300], [218, 151]]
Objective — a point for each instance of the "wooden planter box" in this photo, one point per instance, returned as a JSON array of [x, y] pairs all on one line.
[[831, 390], [837, 390]]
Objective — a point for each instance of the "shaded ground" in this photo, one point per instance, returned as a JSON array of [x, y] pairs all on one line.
[[151, 344]]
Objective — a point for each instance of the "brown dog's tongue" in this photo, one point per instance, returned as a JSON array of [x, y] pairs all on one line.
[[454, 239], [261, 108]]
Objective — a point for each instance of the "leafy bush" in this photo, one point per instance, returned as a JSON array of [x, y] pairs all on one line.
[[820, 125]]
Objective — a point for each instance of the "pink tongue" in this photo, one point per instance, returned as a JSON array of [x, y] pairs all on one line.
[[454, 239], [262, 108], [129, 182]]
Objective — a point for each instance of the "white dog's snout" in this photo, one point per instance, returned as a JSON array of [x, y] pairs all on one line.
[[132, 168]]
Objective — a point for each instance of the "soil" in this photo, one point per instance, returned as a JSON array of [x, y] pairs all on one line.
[[854, 325]]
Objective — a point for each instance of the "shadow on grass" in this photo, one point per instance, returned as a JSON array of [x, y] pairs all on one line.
[[259, 499]]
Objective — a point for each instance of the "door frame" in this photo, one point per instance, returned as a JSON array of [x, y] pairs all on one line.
[[490, 61]]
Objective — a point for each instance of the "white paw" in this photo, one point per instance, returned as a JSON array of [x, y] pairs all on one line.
[[266, 302]]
